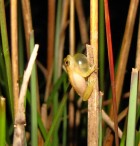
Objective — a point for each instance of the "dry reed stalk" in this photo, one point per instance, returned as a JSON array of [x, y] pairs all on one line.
[[122, 114], [72, 28], [111, 124], [72, 50], [64, 24], [42, 69], [50, 52], [92, 54], [48, 84], [27, 19], [14, 46], [138, 48], [82, 22], [93, 105], [44, 114], [50, 34]]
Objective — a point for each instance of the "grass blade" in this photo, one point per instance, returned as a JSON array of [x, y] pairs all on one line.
[[6, 53], [34, 139], [56, 119], [101, 44], [130, 138], [2, 122], [100, 119]]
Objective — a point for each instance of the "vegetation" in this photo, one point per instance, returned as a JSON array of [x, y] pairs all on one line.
[[37, 103]]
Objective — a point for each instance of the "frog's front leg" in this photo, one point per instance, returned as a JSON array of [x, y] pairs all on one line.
[[88, 72], [89, 89]]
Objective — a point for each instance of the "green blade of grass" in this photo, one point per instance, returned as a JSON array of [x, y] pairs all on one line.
[[101, 44], [33, 85], [130, 138], [3, 77], [56, 87], [123, 139], [39, 121], [20, 40], [100, 119], [138, 138], [56, 120], [2, 122], [6, 53], [64, 140], [56, 67], [64, 143]]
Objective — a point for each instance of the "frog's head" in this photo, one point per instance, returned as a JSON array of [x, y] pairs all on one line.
[[69, 62]]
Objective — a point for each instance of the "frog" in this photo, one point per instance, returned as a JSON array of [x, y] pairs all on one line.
[[79, 72]]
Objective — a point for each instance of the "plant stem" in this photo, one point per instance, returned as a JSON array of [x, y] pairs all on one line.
[[111, 69], [51, 30], [2, 121], [93, 102], [27, 19], [131, 126], [33, 85], [6, 53], [82, 22], [14, 46], [101, 45]]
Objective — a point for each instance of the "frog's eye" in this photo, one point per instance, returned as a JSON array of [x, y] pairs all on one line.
[[67, 62], [81, 61]]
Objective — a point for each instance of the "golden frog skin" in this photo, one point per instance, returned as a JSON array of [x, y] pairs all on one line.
[[79, 72]]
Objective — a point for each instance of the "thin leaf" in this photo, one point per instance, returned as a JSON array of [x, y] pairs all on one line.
[[130, 138]]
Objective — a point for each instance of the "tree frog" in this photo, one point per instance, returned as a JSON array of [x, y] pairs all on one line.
[[79, 71]]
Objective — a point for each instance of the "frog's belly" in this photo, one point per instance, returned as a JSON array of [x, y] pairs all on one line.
[[79, 83]]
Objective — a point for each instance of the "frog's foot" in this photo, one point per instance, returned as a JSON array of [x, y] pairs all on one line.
[[89, 89], [94, 68]]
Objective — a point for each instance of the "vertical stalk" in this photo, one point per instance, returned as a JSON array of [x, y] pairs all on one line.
[[111, 69], [100, 119], [34, 127], [101, 45], [20, 41], [51, 30], [72, 50], [64, 24], [72, 28], [6, 53], [56, 74], [82, 22], [14, 46], [2, 121], [27, 19], [131, 125], [93, 102]]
